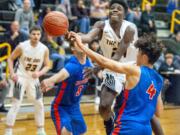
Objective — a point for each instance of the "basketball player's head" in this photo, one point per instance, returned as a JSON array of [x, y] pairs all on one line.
[[149, 50], [117, 10], [76, 50], [35, 34]]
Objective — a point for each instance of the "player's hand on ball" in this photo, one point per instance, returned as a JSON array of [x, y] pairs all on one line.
[[46, 85], [76, 37], [69, 38]]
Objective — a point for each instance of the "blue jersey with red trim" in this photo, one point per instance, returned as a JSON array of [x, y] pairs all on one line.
[[70, 90], [139, 103]]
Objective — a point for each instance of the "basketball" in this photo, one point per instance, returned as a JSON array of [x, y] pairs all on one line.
[[55, 23]]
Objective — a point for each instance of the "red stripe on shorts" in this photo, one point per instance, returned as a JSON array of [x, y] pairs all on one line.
[[116, 130], [55, 106]]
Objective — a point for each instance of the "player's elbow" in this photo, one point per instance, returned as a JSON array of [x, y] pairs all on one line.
[[159, 112]]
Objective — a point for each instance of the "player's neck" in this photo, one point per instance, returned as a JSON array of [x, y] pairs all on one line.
[[116, 25], [81, 58], [33, 44], [148, 65]]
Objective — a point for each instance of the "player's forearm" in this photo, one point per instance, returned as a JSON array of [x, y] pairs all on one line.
[[59, 77], [55, 78], [44, 70], [10, 65], [99, 59], [86, 39]]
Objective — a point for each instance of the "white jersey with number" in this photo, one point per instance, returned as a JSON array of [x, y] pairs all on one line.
[[31, 59], [109, 44], [110, 41]]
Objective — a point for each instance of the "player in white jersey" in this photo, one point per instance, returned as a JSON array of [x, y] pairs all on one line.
[[116, 36], [33, 62]]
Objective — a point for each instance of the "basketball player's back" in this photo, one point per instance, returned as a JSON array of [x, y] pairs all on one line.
[[139, 104]]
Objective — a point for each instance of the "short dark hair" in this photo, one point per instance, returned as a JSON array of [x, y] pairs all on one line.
[[35, 28], [121, 2], [149, 46]]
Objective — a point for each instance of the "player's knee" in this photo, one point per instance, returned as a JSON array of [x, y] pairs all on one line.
[[104, 110], [16, 104], [64, 131]]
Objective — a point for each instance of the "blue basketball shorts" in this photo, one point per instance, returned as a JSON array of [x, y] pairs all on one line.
[[70, 118]]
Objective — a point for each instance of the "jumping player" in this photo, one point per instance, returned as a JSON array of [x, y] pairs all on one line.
[[116, 36], [65, 109], [141, 97], [32, 55]]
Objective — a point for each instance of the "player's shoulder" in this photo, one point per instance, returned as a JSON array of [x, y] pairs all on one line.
[[24, 43], [130, 26], [43, 46], [99, 24]]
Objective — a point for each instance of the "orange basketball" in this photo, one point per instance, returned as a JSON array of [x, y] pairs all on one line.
[[55, 23]]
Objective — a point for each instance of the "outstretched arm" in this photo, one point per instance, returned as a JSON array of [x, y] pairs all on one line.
[[48, 83], [123, 68], [96, 32], [127, 40]]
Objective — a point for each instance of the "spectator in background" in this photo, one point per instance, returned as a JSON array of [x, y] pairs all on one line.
[[168, 65], [137, 16], [19, 3], [14, 36], [172, 5], [3, 91], [82, 14], [65, 7], [173, 44], [147, 20], [25, 17], [55, 55], [98, 9], [45, 11]]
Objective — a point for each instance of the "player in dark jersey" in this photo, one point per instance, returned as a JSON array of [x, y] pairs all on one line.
[[65, 109], [141, 97]]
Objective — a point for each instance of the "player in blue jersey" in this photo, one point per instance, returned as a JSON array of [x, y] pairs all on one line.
[[141, 97], [65, 109]]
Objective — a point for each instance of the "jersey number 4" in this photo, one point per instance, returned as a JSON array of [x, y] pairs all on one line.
[[151, 91]]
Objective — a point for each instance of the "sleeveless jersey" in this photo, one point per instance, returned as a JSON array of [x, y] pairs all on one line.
[[139, 103], [110, 41], [70, 90], [31, 59]]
